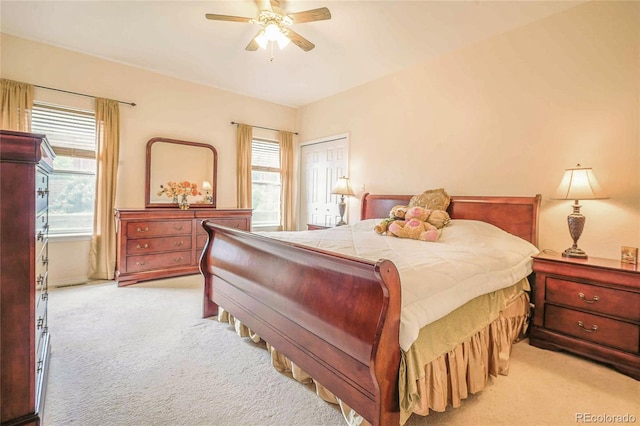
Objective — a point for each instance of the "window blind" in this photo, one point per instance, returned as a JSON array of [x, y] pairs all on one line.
[[71, 132], [265, 155]]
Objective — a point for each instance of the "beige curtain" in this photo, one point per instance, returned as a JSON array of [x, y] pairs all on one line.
[[17, 102], [244, 140], [102, 256], [286, 177]]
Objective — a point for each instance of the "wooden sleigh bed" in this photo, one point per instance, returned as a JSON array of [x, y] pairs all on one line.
[[337, 317]]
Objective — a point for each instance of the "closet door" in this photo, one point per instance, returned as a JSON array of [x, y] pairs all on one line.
[[322, 162]]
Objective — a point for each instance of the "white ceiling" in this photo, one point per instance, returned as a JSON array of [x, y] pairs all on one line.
[[363, 41]]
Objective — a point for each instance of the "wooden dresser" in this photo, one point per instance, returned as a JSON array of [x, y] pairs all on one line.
[[590, 307], [24, 190], [166, 242]]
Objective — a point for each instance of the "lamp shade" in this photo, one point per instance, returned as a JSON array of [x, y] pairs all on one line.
[[579, 183], [342, 187]]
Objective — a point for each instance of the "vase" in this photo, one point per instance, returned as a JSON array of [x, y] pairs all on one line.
[[174, 200], [184, 203]]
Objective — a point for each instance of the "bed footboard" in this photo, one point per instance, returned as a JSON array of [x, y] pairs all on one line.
[[335, 316]]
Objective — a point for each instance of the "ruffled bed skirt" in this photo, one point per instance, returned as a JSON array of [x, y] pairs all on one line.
[[442, 382]]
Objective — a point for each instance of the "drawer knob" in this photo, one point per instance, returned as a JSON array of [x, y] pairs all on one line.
[[178, 259], [178, 228], [141, 263], [142, 230], [584, 298], [178, 243], [588, 330], [142, 246]]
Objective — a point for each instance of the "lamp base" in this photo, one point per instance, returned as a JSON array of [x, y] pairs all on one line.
[[574, 252], [576, 222], [342, 206]]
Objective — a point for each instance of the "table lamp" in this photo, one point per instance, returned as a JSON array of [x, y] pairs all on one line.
[[208, 197], [342, 188], [578, 183]]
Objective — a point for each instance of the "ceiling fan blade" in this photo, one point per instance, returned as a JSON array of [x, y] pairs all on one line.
[[215, 17], [310, 15], [253, 44], [300, 41], [264, 5]]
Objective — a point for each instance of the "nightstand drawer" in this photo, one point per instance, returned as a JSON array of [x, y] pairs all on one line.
[[597, 299], [606, 331]]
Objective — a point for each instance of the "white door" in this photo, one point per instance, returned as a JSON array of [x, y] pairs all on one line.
[[322, 162]]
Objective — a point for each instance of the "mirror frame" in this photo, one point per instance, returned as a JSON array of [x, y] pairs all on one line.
[[214, 183]]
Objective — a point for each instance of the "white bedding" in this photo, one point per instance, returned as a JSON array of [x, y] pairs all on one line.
[[470, 259]]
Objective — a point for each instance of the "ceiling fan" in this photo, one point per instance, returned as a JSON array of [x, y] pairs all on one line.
[[275, 24]]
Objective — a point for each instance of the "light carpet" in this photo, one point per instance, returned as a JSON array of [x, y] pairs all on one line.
[[142, 355]]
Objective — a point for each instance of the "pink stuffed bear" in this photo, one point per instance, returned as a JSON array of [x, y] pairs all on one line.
[[415, 226]]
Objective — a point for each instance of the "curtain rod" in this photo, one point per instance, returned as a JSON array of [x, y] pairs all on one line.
[[266, 128], [80, 94]]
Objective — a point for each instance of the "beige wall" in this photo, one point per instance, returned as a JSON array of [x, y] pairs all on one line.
[[506, 117], [166, 107], [503, 117]]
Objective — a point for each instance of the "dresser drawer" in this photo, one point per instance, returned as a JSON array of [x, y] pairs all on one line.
[[42, 259], [201, 240], [601, 330], [596, 299], [41, 281], [42, 298], [41, 320], [229, 223], [42, 225], [41, 354], [155, 229], [42, 191], [158, 261], [154, 245]]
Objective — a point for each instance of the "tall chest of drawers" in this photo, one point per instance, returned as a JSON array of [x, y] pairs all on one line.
[[166, 242], [26, 162], [590, 307]]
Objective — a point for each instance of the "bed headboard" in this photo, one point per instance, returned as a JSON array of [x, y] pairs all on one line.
[[516, 215]]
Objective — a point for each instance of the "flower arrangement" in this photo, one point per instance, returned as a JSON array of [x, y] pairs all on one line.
[[184, 188]]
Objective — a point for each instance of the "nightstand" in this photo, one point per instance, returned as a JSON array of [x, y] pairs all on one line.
[[314, 227], [590, 307]]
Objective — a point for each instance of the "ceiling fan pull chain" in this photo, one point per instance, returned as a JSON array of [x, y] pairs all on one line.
[[271, 43]]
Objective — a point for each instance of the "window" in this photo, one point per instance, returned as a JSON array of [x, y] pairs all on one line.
[[72, 185], [265, 184]]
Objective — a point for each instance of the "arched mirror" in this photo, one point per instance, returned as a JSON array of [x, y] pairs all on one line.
[[173, 161]]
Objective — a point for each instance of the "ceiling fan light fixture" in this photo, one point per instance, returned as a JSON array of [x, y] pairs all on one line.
[[262, 40], [283, 41], [272, 31]]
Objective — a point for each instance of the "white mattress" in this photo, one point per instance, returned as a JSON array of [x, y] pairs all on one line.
[[470, 259]]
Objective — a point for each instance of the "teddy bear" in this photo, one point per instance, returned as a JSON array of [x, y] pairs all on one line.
[[414, 229], [398, 212], [415, 225]]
